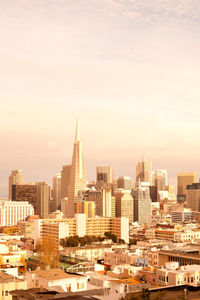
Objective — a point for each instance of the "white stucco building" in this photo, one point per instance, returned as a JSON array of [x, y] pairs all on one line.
[[12, 212]]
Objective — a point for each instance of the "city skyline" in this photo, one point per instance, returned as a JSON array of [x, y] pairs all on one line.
[[128, 69]]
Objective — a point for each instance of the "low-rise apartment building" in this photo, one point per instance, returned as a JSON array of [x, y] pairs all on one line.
[[56, 279], [171, 274], [9, 283]]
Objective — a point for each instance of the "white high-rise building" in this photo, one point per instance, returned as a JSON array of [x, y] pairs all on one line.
[[12, 212]]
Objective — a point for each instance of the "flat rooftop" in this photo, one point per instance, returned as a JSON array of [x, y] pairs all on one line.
[[55, 274]]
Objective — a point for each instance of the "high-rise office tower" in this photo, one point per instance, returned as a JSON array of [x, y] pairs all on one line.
[[16, 177], [125, 183], [77, 179], [105, 173], [184, 179], [25, 192], [161, 179], [144, 171], [193, 196], [142, 204], [124, 205], [43, 197], [37, 194], [57, 192], [65, 175]]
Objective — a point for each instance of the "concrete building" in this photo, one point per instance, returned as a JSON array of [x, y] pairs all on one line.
[[142, 204], [193, 196], [65, 175], [11, 212], [124, 205], [184, 179], [125, 183], [57, 192], [144, 171], [16, 177], [104, 173], [55, 279], [77, 179], [161, 179]]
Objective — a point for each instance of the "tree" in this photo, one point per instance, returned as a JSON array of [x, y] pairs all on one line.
[[48, 253], [145, 294]]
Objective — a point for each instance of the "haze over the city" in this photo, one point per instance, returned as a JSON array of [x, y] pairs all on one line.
[[129, 70]]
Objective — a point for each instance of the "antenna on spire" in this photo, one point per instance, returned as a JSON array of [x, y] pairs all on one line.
[[77, 136]]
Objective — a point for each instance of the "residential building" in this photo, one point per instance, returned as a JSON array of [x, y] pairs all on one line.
[[81, 226], [56, 278], [9, 283], [173, 275]]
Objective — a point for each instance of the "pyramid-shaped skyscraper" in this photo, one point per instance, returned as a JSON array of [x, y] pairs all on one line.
[[77, 180]]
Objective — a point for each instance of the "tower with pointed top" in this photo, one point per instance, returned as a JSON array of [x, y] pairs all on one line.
[[77, 179]]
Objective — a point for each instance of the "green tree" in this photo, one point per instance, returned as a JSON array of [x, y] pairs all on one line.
[[145, 294]]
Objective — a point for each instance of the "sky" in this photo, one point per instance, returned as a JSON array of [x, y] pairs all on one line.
[[128, 69]]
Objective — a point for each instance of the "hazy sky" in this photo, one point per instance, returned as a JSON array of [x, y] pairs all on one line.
[[129, 69]]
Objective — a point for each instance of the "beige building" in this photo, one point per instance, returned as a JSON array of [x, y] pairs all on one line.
[[171, 274], [184, 179], [43, 198], [16, 177], [118, 257], [124, 205], [56, 279], [89, 208], [105, 173], [65, 175], [9, 283]]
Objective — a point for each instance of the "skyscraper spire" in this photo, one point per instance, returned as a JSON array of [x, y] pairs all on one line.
[[77, 136], [77, 180]]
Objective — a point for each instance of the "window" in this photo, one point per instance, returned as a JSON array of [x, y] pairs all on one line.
[[82, 286], [77, 286], [6, 293]]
